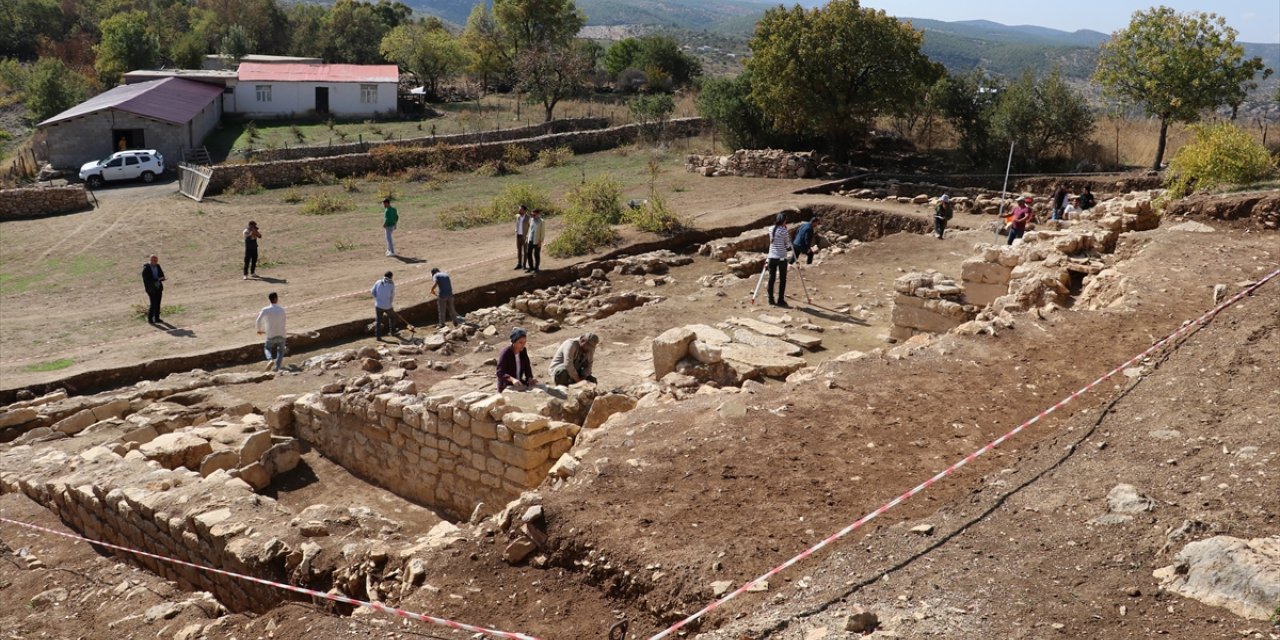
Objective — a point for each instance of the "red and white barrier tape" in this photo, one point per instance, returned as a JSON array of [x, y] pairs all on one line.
[[317, 594], [1186, 326]]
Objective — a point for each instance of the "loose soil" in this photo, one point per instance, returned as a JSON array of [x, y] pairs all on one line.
[[675, 497]]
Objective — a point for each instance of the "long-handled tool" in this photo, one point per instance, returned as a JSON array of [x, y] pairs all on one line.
[[413, 331], [801, 270], [759, 282]]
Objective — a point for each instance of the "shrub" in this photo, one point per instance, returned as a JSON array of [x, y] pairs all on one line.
[[245, 185], [350, 185], [324, 204], [329, 123], [292, 196], [297, 133], [516, 154], [601, 196], [652, 113], [251, 131], [318, 176], [387, 193], [1219, 154], [502, 209], [655, 216], [584, 232], [495, 168], [555, 157], [417, 174]]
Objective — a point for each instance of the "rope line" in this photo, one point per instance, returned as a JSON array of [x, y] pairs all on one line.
[[376, 606], [1186, 326]]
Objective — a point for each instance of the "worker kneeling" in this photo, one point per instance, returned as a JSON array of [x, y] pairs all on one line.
[[573, 360]]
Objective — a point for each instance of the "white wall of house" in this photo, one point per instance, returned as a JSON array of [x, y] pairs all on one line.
[[284, 99]]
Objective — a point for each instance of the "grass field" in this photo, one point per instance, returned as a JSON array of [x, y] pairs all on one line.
[[495, 111]]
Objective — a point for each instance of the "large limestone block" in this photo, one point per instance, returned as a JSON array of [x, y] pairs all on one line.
[[747, 359], [709, 334], [173, 450], [933, 316], [979, 270], [607, 405], [254, 446], [668, 349], [526, 423], [980, 294], [115, 408], [224, 460], [705, 353], [806, 340], [762, 328], [282, 457], [1242, 576], [280, 415], [15, 417], [76, 423], [765, 342]]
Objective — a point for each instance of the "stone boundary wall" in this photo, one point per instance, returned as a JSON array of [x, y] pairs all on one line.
[[285, 173], [102, 497], [500, 135], [37, 202], [451, 453], [755, 163], [928, 302]]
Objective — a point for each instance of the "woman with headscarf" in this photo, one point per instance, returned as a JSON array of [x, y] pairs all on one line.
[[514, 369]]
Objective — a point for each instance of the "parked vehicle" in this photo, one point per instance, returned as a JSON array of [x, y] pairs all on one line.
[[144, 164]]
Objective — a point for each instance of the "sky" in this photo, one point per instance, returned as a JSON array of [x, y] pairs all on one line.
[[1256, 20]]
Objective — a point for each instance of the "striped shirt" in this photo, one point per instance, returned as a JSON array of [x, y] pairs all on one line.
[[779, 242]]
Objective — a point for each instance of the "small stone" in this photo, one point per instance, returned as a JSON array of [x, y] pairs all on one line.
[[732, 409], [861, 621], [923, 529], [720, 587], [518, 550], [314, 529], [371, 365]]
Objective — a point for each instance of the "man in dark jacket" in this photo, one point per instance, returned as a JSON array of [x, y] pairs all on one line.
[[153, 282], [942, 214], [803, 242]]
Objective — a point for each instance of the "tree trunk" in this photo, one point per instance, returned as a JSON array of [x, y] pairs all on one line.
[[1164, 132], [549, 107]]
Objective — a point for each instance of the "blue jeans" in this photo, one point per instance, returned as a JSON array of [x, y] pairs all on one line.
[[273, 349], [391, 244], [1015, 233]]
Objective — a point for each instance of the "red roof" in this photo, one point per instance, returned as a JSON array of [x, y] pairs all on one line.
[[300, 72]]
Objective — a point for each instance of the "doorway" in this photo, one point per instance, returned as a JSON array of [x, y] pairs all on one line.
[[125, 139], [322, 100]]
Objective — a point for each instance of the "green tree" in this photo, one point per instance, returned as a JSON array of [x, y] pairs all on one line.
[[827, 72], [727, 103], [1176, 66], [187, 52], [308, 34], [550, 74], [621, 56], [483, 39], [547, 24], [354, 30], [427, 50], [53, 87], [968, 102], [235, 45], [23, 23], [126, 44], [1041, 115], [652, 112], [659, 53]]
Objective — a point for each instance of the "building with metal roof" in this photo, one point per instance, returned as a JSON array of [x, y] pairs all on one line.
[[170, 115], [285, 90]]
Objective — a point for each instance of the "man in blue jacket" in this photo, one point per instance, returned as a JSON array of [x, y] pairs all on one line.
[[804, 241]]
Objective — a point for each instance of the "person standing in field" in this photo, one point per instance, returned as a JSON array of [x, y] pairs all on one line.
[[390, 218], [522, 223], [1021, 218], [533, 242], [779, 243], [1059, 201], [153, 282], [251, 237], [270, 322]]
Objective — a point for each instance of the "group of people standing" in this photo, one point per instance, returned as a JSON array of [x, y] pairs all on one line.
[[530, 233]]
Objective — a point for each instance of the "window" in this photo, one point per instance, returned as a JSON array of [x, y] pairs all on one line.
[[368, 94], [130, 161], [264, 92], [115, 162]]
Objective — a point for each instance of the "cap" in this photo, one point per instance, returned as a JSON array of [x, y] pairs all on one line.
[[590, 338], [517, 333], [946, 198]]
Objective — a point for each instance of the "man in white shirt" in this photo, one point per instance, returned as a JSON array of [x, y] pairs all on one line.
[[522, 222], [384, 298], [271, 323]]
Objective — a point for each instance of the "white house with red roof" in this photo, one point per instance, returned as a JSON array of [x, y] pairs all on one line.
[[284, 90]]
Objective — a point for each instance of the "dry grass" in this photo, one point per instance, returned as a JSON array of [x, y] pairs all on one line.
[[1134, 142]]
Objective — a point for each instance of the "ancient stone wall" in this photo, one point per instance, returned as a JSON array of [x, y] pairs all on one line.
[[176, 514], [499, 135], [928, 303], [756, 163], [452, 453], [36, 202], [388, 159]]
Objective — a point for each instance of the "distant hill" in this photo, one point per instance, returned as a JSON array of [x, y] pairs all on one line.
[[698, 15]]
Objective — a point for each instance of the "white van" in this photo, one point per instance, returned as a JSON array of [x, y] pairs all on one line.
[[124, 165]]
